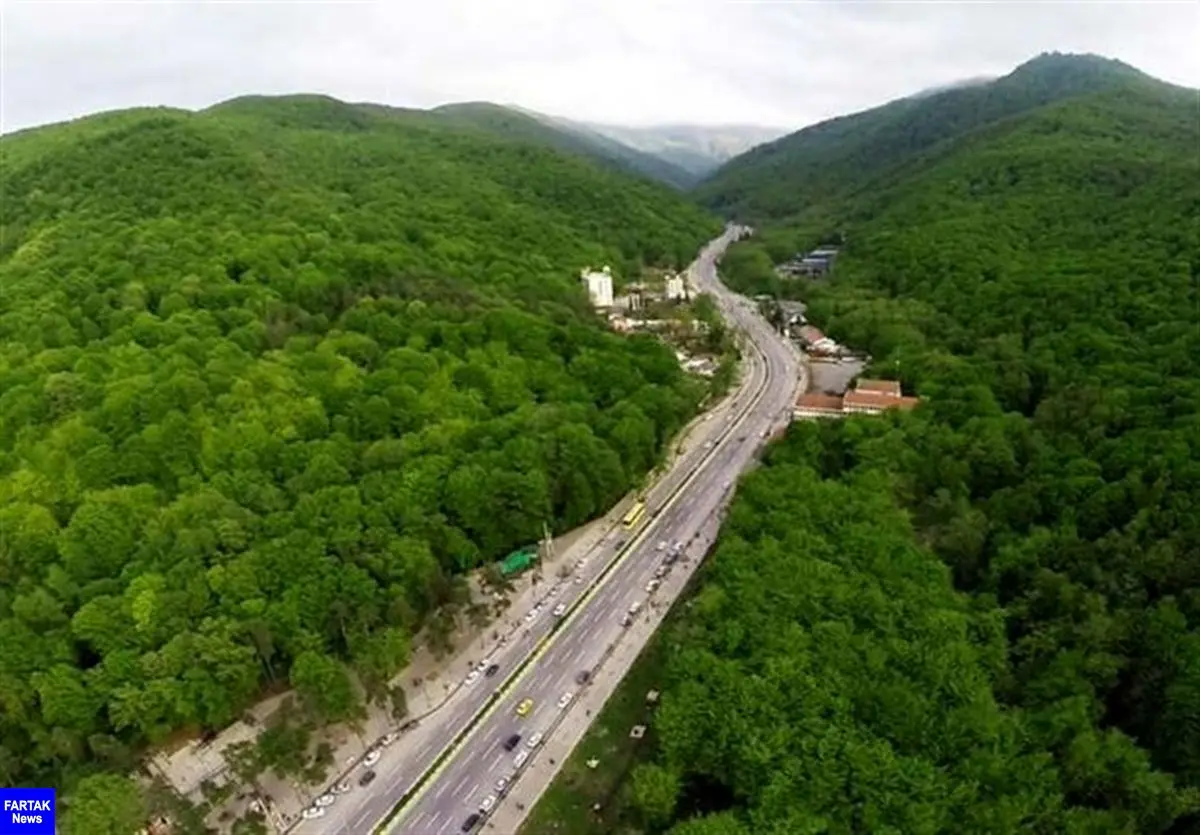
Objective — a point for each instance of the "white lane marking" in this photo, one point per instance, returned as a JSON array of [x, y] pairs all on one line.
[[358, 822]]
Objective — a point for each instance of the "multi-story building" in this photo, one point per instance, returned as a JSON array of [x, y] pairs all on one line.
[[599, 286]]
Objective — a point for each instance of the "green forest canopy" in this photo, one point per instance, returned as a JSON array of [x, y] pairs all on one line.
[[1038, 284], [849, 154], [272, 375]]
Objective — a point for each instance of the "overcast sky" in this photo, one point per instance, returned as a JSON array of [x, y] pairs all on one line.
[[621, 61]]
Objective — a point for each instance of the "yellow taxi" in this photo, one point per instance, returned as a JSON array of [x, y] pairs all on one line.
[[524, 707]]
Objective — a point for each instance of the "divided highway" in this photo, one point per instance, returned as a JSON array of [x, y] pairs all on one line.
[[465, 753]]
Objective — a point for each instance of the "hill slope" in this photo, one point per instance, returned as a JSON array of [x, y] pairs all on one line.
[[272, 376], [697, 149], [1037, 283], [842, 155], [526, 125]]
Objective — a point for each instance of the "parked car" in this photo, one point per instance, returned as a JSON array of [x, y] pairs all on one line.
[[366, 779]]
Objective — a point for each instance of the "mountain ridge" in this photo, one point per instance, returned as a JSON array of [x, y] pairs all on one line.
[[806, 167]]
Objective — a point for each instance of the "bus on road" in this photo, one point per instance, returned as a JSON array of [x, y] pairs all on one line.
[[635, 514]]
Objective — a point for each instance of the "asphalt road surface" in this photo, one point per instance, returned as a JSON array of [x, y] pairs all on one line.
[[547, 653]]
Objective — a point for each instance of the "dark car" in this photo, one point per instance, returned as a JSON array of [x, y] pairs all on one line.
[[366, 779], [470, 822], [409, 725], [582, 677], [512, 742], [492, 670]]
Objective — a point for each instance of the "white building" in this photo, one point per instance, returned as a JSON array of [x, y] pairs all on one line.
[[675, 289], [599, 286]]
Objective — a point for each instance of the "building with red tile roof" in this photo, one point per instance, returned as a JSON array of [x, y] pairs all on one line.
[[869, 397]]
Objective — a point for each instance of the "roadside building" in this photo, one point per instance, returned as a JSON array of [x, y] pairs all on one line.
[[675, 289], [599, 286], [816, 405], [869, 397]]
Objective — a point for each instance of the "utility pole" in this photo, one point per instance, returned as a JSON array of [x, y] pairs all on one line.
[[547, 552]]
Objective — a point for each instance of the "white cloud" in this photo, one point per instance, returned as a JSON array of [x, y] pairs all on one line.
[[623, 61]]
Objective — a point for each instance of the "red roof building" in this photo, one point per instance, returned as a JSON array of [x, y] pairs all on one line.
[[869, 397], [818, 405]]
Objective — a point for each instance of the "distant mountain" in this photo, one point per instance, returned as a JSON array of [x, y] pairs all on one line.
[[529, 126], [699, 149], [840, 155], [690, 152]]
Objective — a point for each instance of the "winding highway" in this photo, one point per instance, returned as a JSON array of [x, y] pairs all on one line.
[[459, 762]]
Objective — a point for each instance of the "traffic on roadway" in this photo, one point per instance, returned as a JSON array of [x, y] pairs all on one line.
[[470, 752]]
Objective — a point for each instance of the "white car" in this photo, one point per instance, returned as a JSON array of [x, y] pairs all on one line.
[[535, 740], [488, 803], [342, 787], [520, 758], [473, 677], [371, 758], [560, 610], [533, 613], [324, 800], [565, 699], [389, 738], [501, 785], [633, 609], [708, 444], [651, 586], [312, 812], [662, 546], [484, 664], [578, 579]]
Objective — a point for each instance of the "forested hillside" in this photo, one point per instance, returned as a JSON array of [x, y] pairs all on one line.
[[565, 136], [844, 156], [272, 377], [983, 616]]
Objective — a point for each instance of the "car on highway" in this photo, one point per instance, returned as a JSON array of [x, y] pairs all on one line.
[[726, 485], [560, 610], [662, 546], [472, 677], [635, 607], [512, 742], [491, 670], [660, 572], [578, 579], [565, 699], [312, 812], [651, 586], [520, 758], [501, 785], [372, 757], [524, 707], [708, 444], [471, 822], [487, 803], [534, 741], [366, 779], [583, 676], [626, 620]]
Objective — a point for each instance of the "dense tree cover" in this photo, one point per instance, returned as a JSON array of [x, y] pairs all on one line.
[[847, 155], [827, 678], [1037, 284], [515, 124], [272, 376]]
